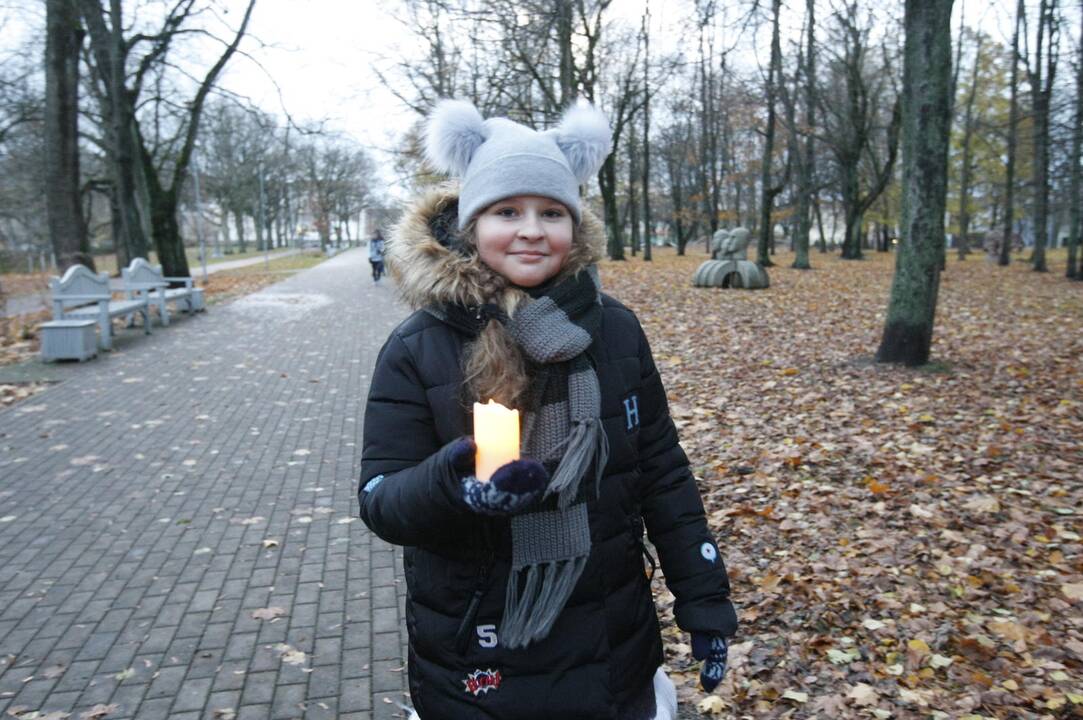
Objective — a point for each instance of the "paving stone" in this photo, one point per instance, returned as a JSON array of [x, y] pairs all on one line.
[[259, 688], [128, 548], [288, 702], [192, 695]]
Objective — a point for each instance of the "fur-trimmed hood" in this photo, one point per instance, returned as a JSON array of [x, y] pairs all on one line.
[[430, 272]]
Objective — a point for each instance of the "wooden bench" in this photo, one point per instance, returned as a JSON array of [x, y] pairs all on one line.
[[81, 294], [143, 280]]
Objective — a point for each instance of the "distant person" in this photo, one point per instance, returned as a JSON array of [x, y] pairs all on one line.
[[526, 592], [376, 255]]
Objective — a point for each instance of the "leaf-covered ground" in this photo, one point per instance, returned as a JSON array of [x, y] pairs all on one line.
[[902, 543]]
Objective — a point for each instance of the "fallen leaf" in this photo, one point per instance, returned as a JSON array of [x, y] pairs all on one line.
[[711, 705], [268, 613], [863, 695]]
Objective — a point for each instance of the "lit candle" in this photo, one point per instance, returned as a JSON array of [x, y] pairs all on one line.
[[496, 433]]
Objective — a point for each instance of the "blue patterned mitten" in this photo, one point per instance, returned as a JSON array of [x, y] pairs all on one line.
[[713, 651], [460, 453], [512, 488]]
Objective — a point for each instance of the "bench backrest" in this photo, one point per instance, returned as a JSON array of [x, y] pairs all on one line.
[[79, 286], [141, 275]]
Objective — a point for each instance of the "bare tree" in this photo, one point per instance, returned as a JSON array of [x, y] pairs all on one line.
[[109, 52], [134, 160], [1072, 271], [807, 164], [967, 171], [1004, 257], [647, 132], [337, 176], [769, 191], [676, 146], [67, 231], [908, 330], [863, 143], [1040, 76]]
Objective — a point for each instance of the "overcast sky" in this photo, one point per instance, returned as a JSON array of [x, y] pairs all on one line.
[[321, 53]]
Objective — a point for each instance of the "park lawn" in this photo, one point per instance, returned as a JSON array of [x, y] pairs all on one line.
[[19, 340], [29, 283], [902, 541]]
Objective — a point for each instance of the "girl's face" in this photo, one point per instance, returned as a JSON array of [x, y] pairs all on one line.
[[525, 238]]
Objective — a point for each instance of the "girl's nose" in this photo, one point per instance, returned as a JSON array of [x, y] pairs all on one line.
[[531, 226]]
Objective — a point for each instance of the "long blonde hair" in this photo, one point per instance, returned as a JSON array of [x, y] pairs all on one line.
[[493, 365]]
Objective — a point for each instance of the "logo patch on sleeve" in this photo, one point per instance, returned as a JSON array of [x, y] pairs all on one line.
[[482, 681], [631, 412], [709, 552]]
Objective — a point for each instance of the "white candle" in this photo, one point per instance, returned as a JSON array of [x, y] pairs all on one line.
[[496, 433]]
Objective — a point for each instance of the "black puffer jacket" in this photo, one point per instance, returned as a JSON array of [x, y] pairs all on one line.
[[605, 646]]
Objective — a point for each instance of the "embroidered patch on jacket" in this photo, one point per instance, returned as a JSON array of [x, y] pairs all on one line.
[[709, 552], [482, 681], [371, 484], [631, 412]]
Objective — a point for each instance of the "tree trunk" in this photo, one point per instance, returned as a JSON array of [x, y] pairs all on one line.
[[633, 197], [851, 241], [1004, 257], [967, 169], [820, 224], [1072, 270], [646, 134], [64, 213], [1041, 86], [567, 62], [908, 330], [767, 190], [807, 167], [120, 244], [107, 46], [238, 224], [607, 180], [163, 219]]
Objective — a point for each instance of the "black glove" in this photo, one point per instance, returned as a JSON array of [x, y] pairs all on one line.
[[512, 488], [713, 650]]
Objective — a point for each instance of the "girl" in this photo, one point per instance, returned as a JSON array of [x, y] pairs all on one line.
[[527, 597]]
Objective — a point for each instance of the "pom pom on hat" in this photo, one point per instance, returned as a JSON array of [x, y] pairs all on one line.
[[453, 134], [585, 139]]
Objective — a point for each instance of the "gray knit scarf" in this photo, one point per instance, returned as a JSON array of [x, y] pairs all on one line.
[[562, 429]]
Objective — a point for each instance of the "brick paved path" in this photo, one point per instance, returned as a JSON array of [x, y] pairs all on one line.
[[153, 501]]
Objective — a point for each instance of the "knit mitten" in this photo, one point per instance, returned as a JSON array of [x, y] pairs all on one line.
[[512, 488], [713, 650], [460, 453]]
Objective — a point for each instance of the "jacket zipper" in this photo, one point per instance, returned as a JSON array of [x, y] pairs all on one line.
[[462, 637]]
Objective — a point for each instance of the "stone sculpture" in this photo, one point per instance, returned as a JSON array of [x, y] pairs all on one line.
[[729, 266]]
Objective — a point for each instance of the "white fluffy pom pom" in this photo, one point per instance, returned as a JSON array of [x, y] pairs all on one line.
[[454, 132], [585, 139]]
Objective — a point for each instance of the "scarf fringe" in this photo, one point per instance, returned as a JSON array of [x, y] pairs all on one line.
[[587, 442], [529, 615]]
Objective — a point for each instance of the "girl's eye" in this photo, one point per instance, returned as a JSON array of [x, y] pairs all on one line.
[[554, 213], [505, 212]]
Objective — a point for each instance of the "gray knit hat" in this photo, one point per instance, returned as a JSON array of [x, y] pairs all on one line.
[[498, 158]]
